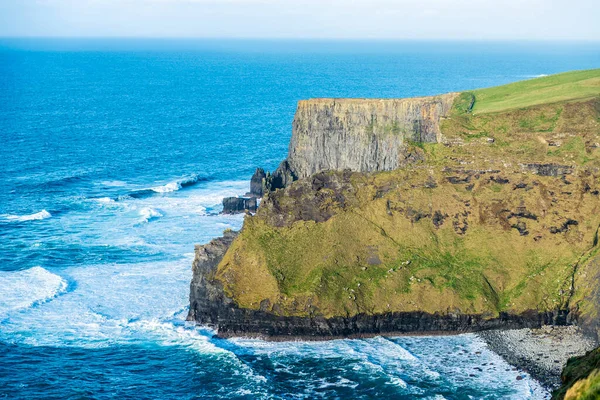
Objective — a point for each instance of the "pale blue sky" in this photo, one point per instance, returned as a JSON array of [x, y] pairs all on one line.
[[369, 19]]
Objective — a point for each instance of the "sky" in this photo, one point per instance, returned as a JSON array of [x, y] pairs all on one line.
[[315, 19]]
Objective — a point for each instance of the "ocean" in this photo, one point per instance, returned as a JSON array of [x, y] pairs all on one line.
[[114, 157]]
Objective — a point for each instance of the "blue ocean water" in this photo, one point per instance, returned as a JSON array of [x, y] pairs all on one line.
[[114, 158]]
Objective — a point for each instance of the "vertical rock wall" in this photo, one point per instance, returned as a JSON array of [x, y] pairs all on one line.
[[363, 135]]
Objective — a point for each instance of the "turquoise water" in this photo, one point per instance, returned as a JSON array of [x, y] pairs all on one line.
[[114, 158]]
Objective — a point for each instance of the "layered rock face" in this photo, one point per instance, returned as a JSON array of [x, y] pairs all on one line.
[[364, 135]]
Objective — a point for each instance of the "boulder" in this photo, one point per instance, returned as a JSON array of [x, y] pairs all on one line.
[[236, 205]]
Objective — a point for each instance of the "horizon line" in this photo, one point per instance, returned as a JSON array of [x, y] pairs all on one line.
[[300, 39]]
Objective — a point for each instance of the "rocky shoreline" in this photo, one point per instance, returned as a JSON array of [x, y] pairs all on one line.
[[541, 352]]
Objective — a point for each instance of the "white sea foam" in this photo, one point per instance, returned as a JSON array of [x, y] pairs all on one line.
[[149, 213], [30, 217], [108, 303], [114, 183], [533, 76], [176, 185], [397, 382], [23, 289], [105, 200], [169, 187]]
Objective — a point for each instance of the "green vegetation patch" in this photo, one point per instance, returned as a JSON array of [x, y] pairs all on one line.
[[581, 378], [544, 90]]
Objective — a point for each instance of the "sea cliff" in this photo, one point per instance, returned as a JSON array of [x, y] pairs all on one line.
[[452, 213], [364, 135]]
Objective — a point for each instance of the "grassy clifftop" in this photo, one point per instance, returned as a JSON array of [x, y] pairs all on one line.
[[575, 85], [501, 216]]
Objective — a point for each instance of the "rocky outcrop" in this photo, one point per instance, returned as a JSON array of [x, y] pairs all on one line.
[[257, 183], [282, 177], [548, 169], [364, 135], [248, 203], [207, 298], [236, 205]]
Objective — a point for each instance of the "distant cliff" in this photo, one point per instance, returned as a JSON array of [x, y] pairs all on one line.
[[364, 135], [420, 215]]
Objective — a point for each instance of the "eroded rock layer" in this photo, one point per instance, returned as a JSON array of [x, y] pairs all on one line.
[[363, 135]]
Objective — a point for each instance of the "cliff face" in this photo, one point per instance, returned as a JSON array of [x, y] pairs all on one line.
[[364, 135], [492, 222]]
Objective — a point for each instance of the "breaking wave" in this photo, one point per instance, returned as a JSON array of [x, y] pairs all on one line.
[[29, 217], [149, 213], [178, 184], [168, 187]]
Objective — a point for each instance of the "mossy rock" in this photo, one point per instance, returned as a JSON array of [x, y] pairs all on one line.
[[581, 378]]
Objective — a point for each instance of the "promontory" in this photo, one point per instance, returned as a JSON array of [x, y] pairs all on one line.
[[452, 213]]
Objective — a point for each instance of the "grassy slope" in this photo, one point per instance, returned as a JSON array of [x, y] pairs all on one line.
[[381, 251], [581, 378], [545, 90]]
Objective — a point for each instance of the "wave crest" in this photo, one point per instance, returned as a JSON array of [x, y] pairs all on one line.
[[178, 184], [166, 188], [149, 213], [30, 217]]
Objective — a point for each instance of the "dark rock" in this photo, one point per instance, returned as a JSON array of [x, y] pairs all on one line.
[[206, 292], [236, 205], [265, 305], [438, 218], [523, 213], [455, 180], [521, 227], [257, 183], [416, 215], [499, 180], [317, 198], [281, 178], [564, 227], [548, 169], [430, 183], [388, 208], [460, 223]]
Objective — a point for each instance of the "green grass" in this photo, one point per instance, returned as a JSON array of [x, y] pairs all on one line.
[[580, 377], [549, 89]]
